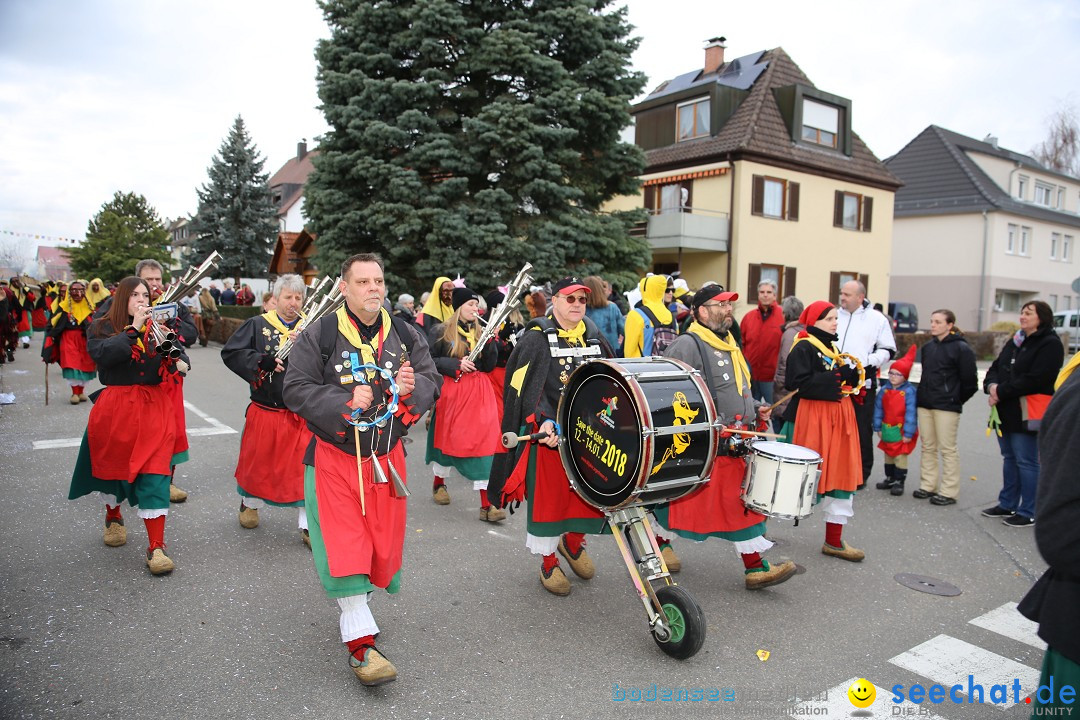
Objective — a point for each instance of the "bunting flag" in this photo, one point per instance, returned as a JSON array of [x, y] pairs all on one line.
[[39, 236]]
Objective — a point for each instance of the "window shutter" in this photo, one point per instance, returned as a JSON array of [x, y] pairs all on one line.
[[867, 213], [650, 198], [865, 280], [838, 210], [757, 196], [793, 202], [834, 288], [751, 283], [789, 281]]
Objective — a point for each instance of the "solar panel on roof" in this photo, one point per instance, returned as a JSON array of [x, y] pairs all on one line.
[[740, 73]]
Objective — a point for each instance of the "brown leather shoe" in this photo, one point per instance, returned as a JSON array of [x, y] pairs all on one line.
[[441, 495], [844, 553], [158, 562], [492, 514], [83, 398], [772, 575], [374, 669], [74, 399], [581, 564], [176, 495], [115, 533], [306, 537], [249, 517], [672, 561], [555, 582]]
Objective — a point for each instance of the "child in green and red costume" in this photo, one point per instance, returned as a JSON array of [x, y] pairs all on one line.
[[896, 421]]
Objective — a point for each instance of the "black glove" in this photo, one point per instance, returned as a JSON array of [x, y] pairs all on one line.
[[849, 375], [267, 362]]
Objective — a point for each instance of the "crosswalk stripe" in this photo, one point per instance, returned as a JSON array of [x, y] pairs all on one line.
[[216, 427], [1007, 620], [838, 705], [948, 661]]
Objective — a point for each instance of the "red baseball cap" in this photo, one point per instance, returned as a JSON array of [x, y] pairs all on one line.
[[568, 285]]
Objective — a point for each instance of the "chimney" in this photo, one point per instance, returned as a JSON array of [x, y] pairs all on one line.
[[301, 149], [714, 54], [992, 140]]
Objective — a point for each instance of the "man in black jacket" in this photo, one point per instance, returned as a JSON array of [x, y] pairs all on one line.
[[1054, 600]]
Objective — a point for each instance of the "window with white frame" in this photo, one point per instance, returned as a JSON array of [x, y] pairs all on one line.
[[821, 123], [1010, 240], [1043, 194], [1055, 241], [693, 119], [1061, 199], [1066, 248], [1021, 187], [1025, 240], [1006, 301], [1054, 303]]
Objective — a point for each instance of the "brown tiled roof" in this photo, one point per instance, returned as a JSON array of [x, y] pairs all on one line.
[[757, 131], [294, 172]]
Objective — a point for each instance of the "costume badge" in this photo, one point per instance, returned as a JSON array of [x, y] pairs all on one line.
[[337, 368], [564, 377], [726, 377], [266, 331], [346, 379]]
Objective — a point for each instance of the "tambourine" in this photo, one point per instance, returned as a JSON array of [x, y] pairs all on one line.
[[857, 364], [391, 407]]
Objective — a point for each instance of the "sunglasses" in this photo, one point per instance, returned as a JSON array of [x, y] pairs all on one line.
[[572, 299]]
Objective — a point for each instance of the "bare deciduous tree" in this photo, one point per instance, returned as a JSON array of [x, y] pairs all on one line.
[[1061, 149]]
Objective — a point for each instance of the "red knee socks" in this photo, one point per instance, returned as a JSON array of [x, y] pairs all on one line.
[[112, 514], [752, 561], [439, 482], [155, 530], [77, 389], [832, 534], [359, 644], [550, 563], [661, 540], [484, 499], [574, 542]]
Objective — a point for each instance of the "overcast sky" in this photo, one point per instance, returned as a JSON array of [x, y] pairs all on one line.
[[137, 96]]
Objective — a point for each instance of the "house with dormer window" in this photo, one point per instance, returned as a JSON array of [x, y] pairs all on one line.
[[753, 173]]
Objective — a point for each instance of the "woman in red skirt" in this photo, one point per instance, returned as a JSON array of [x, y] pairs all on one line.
[[127, 450], [464, 432], [825, 421]]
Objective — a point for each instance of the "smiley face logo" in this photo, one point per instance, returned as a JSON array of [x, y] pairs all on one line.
[[862, 693]]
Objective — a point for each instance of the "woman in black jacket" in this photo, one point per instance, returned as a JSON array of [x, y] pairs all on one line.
[[1028, 365], [949, 379]]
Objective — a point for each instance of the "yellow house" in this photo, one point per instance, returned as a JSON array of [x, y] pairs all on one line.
[[753, 173]]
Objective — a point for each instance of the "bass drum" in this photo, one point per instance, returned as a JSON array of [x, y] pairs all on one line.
[[637, 431]]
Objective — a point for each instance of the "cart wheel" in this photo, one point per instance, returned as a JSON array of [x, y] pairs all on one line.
[[685, 619]]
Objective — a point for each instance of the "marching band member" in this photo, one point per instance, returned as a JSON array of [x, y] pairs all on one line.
[[438, 306], [357, 522], [535, 376], [271, 465], [505, 340], [66, 341], [718, 510], [126, 452], [464, 431], [825, 420], [25, 300]]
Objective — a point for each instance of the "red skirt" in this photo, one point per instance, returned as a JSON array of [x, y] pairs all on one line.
[[130, 432], [39, 319], [469, 418], [174, 388], [498, 380], [271, 464], [718, 506], [552, 498], [24, 323], [829, 429], [359, 544], [73, 355]]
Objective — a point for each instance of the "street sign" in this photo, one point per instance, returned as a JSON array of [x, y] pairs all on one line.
[[1076, 285]]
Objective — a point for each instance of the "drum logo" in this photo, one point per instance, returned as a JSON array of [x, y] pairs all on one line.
[[684, 415], [605, 415]]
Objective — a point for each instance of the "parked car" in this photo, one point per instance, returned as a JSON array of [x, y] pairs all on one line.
[[1068, 322], [905, 317]]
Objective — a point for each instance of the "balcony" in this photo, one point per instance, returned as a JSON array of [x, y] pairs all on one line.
[[686, 228]]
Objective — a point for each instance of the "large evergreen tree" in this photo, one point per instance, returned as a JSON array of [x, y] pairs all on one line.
[[472, 136], [126, 230], [236, 213]]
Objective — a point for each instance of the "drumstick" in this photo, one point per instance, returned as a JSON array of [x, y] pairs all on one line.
[[360, 469], [511, 440], [783, 400], [749, 432]]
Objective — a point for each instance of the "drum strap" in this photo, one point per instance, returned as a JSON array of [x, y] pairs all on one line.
[[705, 363]]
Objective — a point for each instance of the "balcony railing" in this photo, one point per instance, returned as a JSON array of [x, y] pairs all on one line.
[[687, 228]]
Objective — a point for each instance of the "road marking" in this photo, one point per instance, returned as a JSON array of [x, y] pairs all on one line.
[[837, 704], [499, 534], [1007, 620], [949, 661], [216, 427]]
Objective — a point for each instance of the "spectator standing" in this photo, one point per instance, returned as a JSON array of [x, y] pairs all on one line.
[[215, 292], [405, 307], [761, 330], [210, 314], [228, 296], [949, 379], [896, 421], [245, 296], [792, 308], [604, 313], [1023, 377]]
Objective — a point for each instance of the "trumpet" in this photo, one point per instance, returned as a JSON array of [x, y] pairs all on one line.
[[191, 278], [502, 310]]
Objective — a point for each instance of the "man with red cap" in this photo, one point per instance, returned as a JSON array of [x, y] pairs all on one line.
[[718, 511], [549, 350], [896, 421]]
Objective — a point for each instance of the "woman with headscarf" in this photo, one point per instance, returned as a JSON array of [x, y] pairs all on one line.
[[824, 420], [438, 306], [66, 341], [464, 433], [96, 292], [651, 327]]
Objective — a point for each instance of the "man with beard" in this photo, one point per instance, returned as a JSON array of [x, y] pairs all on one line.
[[718, 510], [271, 465]]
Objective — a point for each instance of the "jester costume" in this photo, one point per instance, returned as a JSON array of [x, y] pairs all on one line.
[[66, 343]]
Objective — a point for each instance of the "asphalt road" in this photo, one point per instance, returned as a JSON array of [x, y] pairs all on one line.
[[242, 627]]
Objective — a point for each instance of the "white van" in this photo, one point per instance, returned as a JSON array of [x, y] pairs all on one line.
[[1068, 321]]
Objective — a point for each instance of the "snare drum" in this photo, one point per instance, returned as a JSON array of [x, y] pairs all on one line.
[[637, 431], [781, 479]]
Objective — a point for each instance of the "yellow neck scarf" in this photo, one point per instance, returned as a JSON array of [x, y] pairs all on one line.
[[278, 324], [830, 353], [367, 349], [728, 345], [1066, 371], [468, 336], [80, 311], [574, 336]]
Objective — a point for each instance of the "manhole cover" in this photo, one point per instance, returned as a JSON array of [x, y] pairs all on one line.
[[926, 584]]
